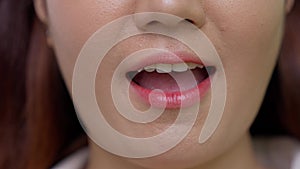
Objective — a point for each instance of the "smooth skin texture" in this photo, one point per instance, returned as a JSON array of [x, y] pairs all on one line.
[[247, 35]]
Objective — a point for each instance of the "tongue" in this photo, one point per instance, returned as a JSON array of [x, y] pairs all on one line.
[[167, 83]]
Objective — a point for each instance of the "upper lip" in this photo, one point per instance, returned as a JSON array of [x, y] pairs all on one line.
[[162, 58]]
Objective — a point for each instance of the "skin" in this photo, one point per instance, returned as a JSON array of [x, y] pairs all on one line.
[[247, 36]]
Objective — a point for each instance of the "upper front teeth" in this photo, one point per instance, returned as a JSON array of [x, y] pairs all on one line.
[[168, 68], [164, 68]]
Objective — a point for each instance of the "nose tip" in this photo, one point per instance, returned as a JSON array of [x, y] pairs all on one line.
[[190, 11]]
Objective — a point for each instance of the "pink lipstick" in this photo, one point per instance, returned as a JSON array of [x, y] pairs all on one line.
[[170, 81]]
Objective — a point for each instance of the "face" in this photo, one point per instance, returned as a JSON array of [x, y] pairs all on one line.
[[246, 35]]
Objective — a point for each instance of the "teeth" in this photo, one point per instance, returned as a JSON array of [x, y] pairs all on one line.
[[180, 67], [168, 68], [193, 65], [201, 66], [164, 68], [150, 68]]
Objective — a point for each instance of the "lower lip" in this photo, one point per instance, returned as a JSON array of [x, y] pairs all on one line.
[[171, 100]]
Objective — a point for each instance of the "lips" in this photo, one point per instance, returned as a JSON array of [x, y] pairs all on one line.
[[170, 81]]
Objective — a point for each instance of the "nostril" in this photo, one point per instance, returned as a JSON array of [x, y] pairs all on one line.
[[162, 20], [189, 20], [153, 22]]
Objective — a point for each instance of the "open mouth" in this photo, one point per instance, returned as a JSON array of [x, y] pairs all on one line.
[[182, 83]]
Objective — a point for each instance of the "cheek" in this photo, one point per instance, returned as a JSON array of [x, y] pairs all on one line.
[[247, 27], [73, 22], [248, 35]]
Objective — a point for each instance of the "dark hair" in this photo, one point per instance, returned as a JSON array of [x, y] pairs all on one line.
[[280, 111], [38, 124]]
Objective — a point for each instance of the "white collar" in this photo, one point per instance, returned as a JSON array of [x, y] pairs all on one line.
[[75, 161]]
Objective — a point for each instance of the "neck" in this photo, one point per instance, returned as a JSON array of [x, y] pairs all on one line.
[[240, 155]]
